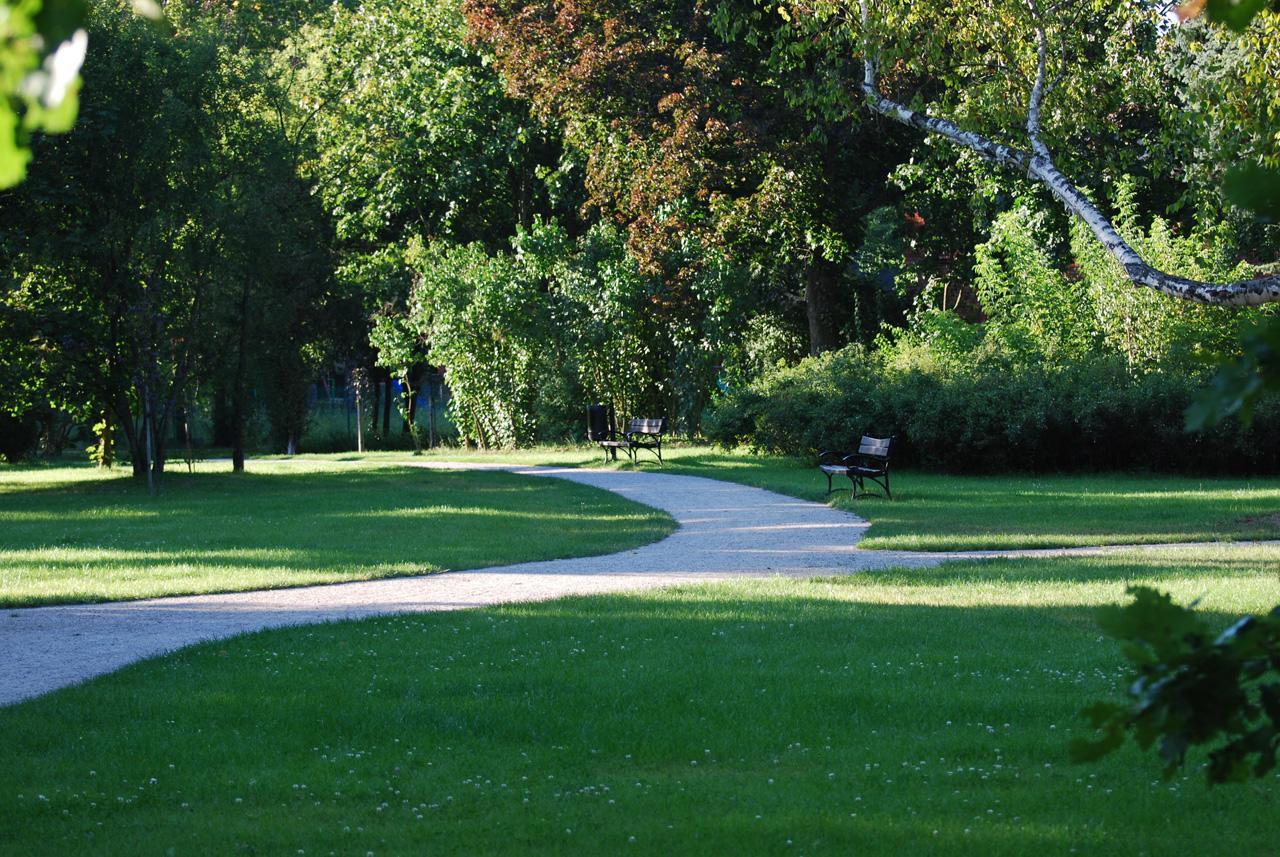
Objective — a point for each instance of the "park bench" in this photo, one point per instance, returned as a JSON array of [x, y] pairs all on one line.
[[600, 430], [870, 462], [641, 433], [646, 434]]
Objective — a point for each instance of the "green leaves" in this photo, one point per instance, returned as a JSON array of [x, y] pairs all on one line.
[[1240, 383], [1256, 189], [1191, 689], [1234, 14], [42, 47]]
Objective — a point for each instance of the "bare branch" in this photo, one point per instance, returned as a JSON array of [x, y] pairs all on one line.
[[1038, 88]]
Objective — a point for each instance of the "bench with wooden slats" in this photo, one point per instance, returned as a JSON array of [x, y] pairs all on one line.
[[641, 433], [869, 463], [646, 433]]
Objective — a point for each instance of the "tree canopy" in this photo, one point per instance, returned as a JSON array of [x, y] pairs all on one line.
[[653, 204]]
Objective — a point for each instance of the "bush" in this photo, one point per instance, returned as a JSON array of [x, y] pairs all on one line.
[[992, 412], [18, 437]]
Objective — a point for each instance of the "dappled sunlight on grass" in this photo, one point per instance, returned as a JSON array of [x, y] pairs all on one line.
[[759, 716], [903, 711], [937, 512], [949, 512], [75, 537], [1227, 579]]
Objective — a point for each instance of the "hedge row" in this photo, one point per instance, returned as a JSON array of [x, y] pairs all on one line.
[[991, 414]]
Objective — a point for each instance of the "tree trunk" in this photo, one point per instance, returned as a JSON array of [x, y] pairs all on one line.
[[156, 428], [239, 387], [386, 407], [359, 413], [145, 395], [819, 298], [431, 409], [377, 401], [134, 436], [106, 440]]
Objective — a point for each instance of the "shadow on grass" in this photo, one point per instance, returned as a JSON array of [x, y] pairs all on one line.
[[73, 537]]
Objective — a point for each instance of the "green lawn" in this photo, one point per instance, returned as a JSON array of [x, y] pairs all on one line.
[[74, 534], [892, 713], [944, 512]]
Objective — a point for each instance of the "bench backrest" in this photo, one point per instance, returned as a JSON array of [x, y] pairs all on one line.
[[640, 425], [875, 447], [599, 423]]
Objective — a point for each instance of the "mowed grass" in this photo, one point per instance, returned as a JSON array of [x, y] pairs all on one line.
[[946, 512], [923, 712], [74, 534]]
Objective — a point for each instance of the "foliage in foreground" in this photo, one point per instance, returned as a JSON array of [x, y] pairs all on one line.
[[1191, 688]]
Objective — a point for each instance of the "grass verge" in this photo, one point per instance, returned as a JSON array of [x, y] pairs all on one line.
[[73, 534], [889, 713]]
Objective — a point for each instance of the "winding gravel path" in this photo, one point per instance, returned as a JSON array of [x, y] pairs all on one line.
[[725, 531]]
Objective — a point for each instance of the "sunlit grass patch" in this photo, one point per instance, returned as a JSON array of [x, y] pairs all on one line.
[[77, 534], [902, 712], [949, 512]]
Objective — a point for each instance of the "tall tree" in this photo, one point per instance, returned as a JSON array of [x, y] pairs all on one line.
[[688, 131], [971, 72], [126, 229]]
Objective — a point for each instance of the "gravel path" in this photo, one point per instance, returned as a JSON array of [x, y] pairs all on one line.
[[725, 531]]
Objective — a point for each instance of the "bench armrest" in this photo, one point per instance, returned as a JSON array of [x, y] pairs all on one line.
[[871, 462]]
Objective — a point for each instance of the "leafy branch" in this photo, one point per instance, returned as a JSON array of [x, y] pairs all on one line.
[[1191, 688]]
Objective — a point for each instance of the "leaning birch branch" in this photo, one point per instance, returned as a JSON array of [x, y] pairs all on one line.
[[1038, 165]]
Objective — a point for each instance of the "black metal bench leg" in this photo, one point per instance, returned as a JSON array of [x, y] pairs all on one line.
[[883, 484]]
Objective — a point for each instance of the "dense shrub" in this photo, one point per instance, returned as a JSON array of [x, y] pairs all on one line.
[[18, 436], [1069, 368], [992, 412]]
